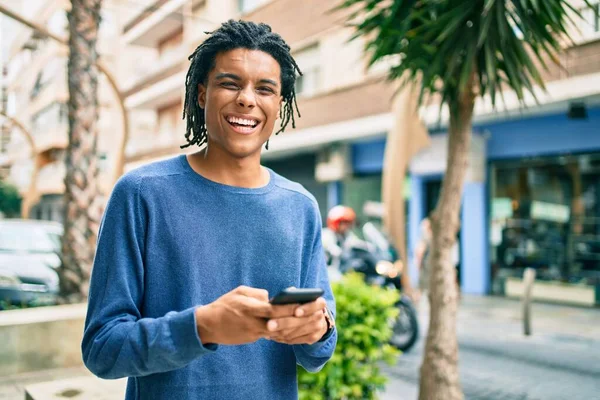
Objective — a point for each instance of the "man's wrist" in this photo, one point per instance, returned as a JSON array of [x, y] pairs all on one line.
[[203, 322], [330, 321]]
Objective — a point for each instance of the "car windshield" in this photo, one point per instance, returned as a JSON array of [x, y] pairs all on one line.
[[25, 238]]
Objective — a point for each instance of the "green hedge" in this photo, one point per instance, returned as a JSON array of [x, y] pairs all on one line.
[[363, 320], [10, 201]]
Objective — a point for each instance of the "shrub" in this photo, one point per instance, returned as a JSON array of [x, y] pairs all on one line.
[[10, 200], [363, 321]]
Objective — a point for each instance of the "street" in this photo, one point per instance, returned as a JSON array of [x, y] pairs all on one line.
[[560, 361]]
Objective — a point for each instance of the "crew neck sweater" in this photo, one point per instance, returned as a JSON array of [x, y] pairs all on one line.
[[171, 240]]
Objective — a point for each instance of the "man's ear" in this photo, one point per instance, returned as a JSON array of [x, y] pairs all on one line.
[[201, 96]]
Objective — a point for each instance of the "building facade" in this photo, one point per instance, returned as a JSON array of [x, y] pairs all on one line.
[[37, 99], [531, 197]]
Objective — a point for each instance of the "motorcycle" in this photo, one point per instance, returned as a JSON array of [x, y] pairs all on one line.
[[376, 259]]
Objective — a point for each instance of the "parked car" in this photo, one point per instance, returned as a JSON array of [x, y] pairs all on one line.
[[29, 255]]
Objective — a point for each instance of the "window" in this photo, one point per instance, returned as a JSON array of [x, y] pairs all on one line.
[[49, 73], [50, 117], [545, 213], [246, 6], [308, 61], [58, 23]]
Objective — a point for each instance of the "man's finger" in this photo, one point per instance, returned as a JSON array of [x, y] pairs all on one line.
[[256, 308], [309, 338], [283, 311], [318, 329], [258, 294], [292, 323], [311, 308]]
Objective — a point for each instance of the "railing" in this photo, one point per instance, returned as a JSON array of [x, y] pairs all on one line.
[[146, 12], [159, 69], [149, 141]]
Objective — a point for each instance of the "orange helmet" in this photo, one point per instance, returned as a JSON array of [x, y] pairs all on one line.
[[340, 214]]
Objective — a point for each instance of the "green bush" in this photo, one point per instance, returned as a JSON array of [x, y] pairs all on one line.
[[363, 321], [10, 200]]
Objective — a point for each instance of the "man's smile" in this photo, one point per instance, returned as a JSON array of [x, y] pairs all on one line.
[[245, 125]]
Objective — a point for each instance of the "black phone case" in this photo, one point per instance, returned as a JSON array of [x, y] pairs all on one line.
[[297, 296]]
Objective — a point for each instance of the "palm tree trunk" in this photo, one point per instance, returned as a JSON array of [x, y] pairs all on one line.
[[81, 216], [439, 372]]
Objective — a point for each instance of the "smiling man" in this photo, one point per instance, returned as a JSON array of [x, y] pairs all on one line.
[[190, 249]]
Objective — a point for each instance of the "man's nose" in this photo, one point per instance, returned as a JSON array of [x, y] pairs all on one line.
[[246, 98]]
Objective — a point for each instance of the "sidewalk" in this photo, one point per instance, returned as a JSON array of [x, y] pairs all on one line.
[[490, 325], [497, 362], [547, 319]]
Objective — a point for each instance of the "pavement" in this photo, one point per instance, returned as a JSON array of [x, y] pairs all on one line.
[[561, 360]]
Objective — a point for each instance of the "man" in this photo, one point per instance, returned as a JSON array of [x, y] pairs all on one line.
[[191, 249]]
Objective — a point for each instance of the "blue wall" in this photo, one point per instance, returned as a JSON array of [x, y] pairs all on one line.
[[416, 212], [334, 195], [475, 274], [545, 135], [367, 157]]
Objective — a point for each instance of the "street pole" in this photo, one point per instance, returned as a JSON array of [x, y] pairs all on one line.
[[120, 162], [528, 281]]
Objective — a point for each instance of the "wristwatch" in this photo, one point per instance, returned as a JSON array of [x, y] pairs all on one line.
[[330, 323]]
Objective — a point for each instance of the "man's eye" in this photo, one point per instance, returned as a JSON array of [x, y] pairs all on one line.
[[229, 85], [266, 89]]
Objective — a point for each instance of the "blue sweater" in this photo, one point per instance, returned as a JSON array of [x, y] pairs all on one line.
[[172, 240]]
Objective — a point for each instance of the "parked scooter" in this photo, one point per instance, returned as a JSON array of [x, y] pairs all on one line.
[[376, 259]]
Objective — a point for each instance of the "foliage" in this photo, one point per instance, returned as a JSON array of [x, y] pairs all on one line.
[[363, 321], [10, 200], [445, 42]]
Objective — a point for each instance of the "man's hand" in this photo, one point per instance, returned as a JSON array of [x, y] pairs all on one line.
[[238, 317], [307, 325]]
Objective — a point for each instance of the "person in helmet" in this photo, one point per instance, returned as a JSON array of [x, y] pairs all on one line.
[[341, 219], [340, 222]]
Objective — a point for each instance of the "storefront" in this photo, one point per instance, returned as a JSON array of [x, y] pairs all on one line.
[[545, 214], [544, 207], [531, 199]]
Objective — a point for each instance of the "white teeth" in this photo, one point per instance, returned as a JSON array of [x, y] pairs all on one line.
[[242, 121]]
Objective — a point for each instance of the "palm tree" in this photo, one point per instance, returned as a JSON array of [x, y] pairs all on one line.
[[81, 194], [458, 50]]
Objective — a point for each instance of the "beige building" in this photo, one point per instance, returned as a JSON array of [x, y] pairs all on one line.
[[343, 103], [538, 166], [37, 99], [550, 151]]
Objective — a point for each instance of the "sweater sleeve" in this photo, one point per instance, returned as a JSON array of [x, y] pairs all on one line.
[[314, 357], [118, 341]]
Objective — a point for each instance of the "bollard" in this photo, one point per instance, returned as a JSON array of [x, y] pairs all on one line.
[[528, 280]]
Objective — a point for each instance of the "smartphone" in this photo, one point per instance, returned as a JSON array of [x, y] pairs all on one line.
[[297, 296]]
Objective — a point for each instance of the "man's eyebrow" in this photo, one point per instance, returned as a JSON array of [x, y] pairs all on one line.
[[269, 81], [228, 75]]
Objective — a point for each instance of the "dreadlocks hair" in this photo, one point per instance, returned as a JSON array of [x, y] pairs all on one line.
[[229, 36]]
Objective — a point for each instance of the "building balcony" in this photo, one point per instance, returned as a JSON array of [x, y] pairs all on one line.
[[157, 21], [54, 137], [55, 92], [51, 179], [162, 89], [151, 145], [150, 73]]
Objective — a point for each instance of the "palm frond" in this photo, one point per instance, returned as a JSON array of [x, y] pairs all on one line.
[[444, 42]]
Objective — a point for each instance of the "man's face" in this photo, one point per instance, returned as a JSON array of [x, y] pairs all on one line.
[[241, 101], [344, 227]]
